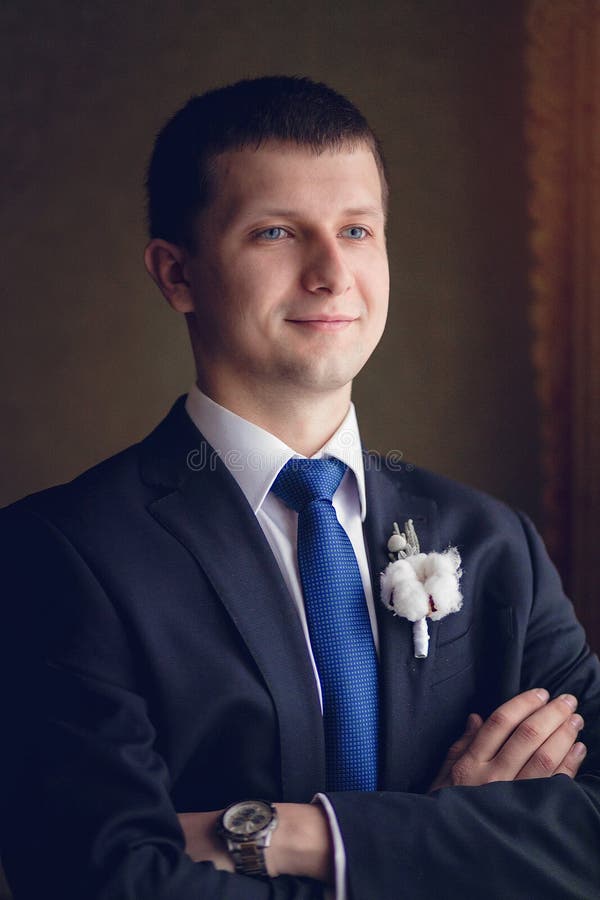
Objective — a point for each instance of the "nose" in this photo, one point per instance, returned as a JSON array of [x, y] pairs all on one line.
[[326, 271]]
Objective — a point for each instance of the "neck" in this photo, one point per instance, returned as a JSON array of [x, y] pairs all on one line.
[[303, 423]]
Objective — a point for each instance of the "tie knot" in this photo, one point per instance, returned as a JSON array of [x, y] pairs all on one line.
[[303, 480]]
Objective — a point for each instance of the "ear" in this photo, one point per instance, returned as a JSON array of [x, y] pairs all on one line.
[[165, 263]]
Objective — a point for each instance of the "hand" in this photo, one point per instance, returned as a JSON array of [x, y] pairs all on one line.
[[526, 737], [202, 842], [300, 845]]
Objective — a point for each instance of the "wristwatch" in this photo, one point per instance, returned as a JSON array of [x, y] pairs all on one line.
[[246, 828]]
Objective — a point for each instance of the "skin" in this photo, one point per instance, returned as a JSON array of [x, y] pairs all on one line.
[[285, 298], [526, 737]]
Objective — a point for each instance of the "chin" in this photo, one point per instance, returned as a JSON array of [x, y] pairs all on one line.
[[321, 378]]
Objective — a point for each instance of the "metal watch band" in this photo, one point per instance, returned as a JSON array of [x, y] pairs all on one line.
[[249, 857]]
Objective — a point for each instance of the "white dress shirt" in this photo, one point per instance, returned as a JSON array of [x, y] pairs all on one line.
[[255, 457]]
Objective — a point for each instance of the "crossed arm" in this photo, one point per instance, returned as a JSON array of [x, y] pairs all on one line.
[[529, 736]]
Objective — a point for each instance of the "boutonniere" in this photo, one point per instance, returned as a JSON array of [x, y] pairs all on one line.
[[420, 586]]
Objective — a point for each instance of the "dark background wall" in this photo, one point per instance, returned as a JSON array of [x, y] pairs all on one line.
[[90, 355]]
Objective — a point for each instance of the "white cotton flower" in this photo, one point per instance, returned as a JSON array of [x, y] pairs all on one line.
[[442, 572], [402, 590], [425, 584]]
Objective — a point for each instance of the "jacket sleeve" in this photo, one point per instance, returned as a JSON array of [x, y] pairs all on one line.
[[86, 810], [522, 839]]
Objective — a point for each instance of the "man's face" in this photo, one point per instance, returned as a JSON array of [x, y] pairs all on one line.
[[290, 276]]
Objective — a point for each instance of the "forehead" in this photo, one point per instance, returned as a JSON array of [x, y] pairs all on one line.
[[293, 177]]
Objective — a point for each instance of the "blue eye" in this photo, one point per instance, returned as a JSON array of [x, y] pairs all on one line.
[[272, 234], [356, 232]]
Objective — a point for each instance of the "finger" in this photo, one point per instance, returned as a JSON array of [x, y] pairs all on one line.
[[572, 761], [531, 734], [496, 730], [552, 753], [474, 723]]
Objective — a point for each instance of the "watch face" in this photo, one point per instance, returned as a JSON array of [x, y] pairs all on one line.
[[248, 817]]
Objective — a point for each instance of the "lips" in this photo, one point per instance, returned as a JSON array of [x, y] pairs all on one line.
[[326, 319], [324, 323]]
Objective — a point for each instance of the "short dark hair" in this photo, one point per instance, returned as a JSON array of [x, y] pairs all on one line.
[[248, 113]]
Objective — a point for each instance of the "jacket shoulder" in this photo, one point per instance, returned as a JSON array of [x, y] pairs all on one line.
[[92, 489], [447, 494]]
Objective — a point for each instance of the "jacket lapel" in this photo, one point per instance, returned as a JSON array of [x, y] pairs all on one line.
[[404, 680], [205, 509]]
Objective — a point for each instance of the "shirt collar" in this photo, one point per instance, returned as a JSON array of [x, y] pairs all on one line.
[[255, 456]]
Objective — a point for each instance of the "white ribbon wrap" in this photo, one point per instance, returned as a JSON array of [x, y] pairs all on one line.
[[421, 638]]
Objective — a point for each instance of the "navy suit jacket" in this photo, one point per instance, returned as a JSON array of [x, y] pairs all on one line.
[[154, 663]]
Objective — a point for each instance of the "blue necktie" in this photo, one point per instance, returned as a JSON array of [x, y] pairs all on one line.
[[338, 623]]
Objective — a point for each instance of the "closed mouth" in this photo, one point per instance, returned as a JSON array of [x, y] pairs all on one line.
[[324, 323]]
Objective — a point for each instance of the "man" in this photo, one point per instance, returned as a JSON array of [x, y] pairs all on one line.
[[187, 629]]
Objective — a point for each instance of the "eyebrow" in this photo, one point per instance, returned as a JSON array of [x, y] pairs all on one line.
[[272, 212], [351, 211]]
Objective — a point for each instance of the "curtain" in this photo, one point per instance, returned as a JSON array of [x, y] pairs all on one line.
[[563, 139]]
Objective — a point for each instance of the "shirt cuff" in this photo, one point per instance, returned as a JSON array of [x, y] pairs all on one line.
[[339, 851]]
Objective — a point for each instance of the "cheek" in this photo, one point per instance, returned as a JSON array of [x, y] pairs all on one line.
[[271, 269], [375, 286], [384, 280], [383, 291]]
